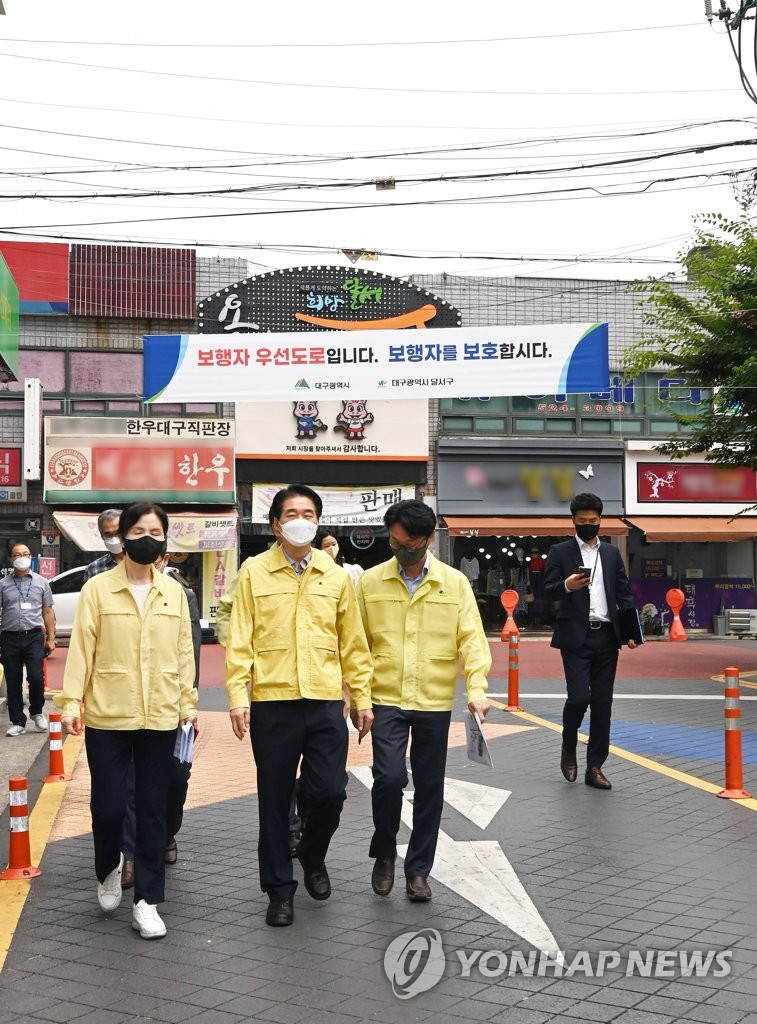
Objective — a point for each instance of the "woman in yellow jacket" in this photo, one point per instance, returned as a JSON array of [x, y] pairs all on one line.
[[130, 661]]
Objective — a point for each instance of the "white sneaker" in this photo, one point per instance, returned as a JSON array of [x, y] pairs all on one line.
[[40, 722], [146, 920], [109, 892], [15, 730]]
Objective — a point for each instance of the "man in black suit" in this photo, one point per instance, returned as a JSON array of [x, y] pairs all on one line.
[[589, 580]]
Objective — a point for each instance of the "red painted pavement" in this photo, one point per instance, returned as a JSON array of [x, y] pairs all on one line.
[[690, 660]]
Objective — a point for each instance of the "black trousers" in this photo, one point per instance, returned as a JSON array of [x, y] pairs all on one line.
[[392, 728], [178, 784], [282, 732], [590, 677], [19, 651], [109, 753]]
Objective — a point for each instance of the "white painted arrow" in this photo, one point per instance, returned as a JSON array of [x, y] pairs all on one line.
[[478, 803], [478, 870]]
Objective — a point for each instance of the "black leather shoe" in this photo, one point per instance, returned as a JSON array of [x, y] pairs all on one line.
[[417, 889], [280, 913], [568, 765], [127, 874], [595, 777], [382, 879], [294, 842], [317, 881]]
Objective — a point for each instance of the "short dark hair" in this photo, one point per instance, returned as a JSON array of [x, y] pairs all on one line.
[[415, 518], [586, 502], [292, 491], [15, 544], [321, 536], [134, 513]]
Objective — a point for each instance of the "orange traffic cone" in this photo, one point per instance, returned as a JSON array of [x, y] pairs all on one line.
[[509, 599], [56, 767], [20, 857], [675, 598]]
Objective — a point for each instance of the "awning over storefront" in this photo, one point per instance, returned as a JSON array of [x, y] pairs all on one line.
[[523, 526], [187, 531], [695, 528]]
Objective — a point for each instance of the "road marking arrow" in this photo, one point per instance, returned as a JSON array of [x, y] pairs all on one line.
[[478, 870]]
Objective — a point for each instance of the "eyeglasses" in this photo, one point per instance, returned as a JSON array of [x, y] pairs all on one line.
[[406, 547]]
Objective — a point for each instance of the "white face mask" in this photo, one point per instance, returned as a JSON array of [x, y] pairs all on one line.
[[22, 563], [299, 532], [114, 545]]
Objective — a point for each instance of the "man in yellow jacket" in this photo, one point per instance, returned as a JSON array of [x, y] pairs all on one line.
[[296, 637], [420, 615]]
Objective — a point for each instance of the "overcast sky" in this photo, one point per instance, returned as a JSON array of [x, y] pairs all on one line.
[[304, 106]]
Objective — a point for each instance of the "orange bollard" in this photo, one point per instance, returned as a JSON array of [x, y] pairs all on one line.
[[55, 765], [20, 857], [512, 674], [675, 599], [509, 599], [734, 777]]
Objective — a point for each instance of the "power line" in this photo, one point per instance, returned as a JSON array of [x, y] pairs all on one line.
[[367, 88], [355, 45]]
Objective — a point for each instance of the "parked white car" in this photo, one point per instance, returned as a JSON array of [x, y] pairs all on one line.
[[66, 587]]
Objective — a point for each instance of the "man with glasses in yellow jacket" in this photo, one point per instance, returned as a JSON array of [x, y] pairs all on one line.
[[420, 615]]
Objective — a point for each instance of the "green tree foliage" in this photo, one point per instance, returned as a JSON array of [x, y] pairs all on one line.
[[708, 331]]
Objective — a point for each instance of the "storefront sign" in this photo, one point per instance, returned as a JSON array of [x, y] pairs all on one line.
[[40, 270], [362, 538], [474, 481], [121, 460], [8, 324], [12, 483], [364, 431], [377, 364], [187, 531], [342, 506], [47, 567], [218, 567], [322, 298], [703, 599], [695, 482], [654, 569]]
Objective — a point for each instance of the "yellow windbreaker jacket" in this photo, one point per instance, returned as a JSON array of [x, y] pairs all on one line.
[[131, 671], [416, 642], [295, 636]]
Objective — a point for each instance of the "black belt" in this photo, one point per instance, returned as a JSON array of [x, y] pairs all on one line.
[[22, 632], [598, 623]]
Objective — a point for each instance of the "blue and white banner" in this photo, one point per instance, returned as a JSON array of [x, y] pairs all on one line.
[[446, 363]]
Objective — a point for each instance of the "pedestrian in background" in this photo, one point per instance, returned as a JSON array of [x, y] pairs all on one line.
[[107, 525], [420, 617], [130, 662], [589, 580], [27, 632]]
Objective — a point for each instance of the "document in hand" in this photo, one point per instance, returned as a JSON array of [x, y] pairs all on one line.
[[185, 743], [478, 748], [630, 626]]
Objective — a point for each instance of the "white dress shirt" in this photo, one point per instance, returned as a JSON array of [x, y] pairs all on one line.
[[597, 595]]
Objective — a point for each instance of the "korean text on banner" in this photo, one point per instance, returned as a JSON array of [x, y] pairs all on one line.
[[544, 359]]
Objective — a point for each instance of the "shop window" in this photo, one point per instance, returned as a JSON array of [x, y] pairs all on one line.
[[125, 407], [596, 426], [561, 426], [663, 427], [523, 426], [490, 426], [455, 423], [105, 373], [88, 406], [628, 426], [203, 408]]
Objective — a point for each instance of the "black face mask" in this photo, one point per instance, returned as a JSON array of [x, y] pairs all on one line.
[[407, 556], [145, 550], [587, 531]]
